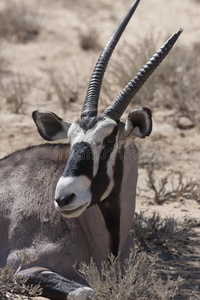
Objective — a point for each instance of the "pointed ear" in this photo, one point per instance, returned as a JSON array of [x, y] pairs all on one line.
[[139, 123], [50, 126]]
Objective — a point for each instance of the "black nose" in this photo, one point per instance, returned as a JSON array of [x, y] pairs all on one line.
[[65, 200]]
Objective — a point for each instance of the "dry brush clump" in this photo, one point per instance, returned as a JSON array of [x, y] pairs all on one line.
[[12, 283], [126, 66], [172, 186], [175, 245], [137, 279], [89, 40], [19, 21], [3, 65], [14, 88], [148, 230], [67, 88], [179, 79], [154, 154]]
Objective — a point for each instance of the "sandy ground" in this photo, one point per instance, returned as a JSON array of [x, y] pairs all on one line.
[[57, 47]]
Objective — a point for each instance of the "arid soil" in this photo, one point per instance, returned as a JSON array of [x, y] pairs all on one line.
[[31, 69]]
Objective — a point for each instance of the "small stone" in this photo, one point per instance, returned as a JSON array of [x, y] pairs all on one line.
[[185, 123]]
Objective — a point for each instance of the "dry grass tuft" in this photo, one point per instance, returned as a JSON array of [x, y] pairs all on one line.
[[19, 21], [12, 283], [137, 279]]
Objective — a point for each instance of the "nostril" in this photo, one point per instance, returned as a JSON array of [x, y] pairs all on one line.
[[68, 199], [65, 200]]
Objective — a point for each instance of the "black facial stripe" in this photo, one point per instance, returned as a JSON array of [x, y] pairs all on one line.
[[80, 161], [101, 181], [110, 207]]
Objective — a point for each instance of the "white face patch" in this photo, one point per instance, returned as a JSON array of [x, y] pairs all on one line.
[[80, 187]]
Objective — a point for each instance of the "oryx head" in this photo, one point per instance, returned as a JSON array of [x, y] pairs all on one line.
[[95, 140]]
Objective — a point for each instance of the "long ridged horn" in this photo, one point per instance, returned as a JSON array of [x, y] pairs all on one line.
[[90, 105], [120, 103]]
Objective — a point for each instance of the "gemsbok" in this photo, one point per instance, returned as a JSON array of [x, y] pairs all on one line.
[[67, 203]]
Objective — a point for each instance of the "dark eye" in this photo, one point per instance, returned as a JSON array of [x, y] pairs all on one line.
[[110, 140]]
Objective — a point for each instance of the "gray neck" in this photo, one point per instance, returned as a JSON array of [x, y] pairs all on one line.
[[97, 236], [128, 192]]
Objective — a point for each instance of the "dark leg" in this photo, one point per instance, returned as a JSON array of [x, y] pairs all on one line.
[[54, 286]]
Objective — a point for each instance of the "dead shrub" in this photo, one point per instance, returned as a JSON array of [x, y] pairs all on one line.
[[178, 82], [130, 60], [15, 89], [19, 21], [137, 279], [174, 85], [156, 230], [61, 91], [89, 40], [67, 91], [12, 283], [172, 186], [3, 65], [152, 153]]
